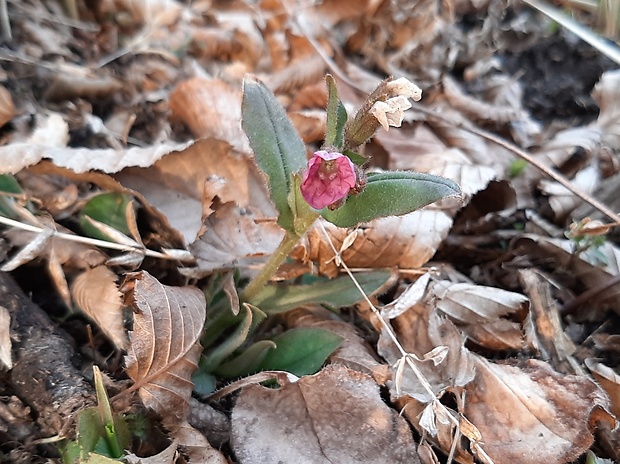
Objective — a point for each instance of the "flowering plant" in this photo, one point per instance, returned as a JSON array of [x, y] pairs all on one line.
[[332, 183]]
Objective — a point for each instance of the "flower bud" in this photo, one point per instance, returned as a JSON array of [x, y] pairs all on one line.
[[328, 179]]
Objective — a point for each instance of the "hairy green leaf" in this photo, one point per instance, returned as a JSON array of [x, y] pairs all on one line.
[[336, 115], [247, 362], [339, 292], [278, 149], [301, 351], [391, 194]]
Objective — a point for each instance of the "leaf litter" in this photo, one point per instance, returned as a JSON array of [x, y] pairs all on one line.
[[513, 318]]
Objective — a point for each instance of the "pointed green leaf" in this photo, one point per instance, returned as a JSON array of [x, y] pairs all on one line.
[[336, 115], [339, 292], [278, 149], [109, 208], [391, 194], [301, 351], [247, 362]]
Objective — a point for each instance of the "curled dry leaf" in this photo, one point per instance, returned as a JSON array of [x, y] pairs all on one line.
[[607, 95], [164, 348], [406, 242], [232, 238], [211, 109], [196, 446], [609, 381], [421, 330], [96, 293], [480, 312], [336, 415], [532, 413]]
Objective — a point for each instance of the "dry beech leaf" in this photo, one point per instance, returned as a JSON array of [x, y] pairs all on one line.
[[211, 109], [182, 185], [6, 360], [562, 200], [164, 348], [607, 94], [609, 381], [96, 293], [532, 413], [406, 242], [479, 312], [336, 415], [232, 238], [19, 155], [421, 330], [196, 446]]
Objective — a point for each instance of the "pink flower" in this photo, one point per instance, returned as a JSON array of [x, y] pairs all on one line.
[[328, 179]]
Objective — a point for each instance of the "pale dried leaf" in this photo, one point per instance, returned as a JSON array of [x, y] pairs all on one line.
[[6, 359], [164, 347], [532, 414], [421, 330], [407, 242], [232, 238], [37, 247], [566, 143], [167, 456], [196, 446], [336, 415], [609, 381], [96, 293], [411, 296], [607, 95], [211, 109], [562, 200], [182, 185], [7, 107]]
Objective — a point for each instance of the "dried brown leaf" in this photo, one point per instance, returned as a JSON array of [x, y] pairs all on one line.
[[407, 242], [211, 109], [232, 238], [609, 380], [479, 312], [421, 330], [182, 185], [7, 107], [607, 94], [6, 359], [164, 347], [336, 415], [196, 446], [96, 293], [532, 413]]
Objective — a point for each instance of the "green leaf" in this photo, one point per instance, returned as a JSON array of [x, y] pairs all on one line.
[[204, 383], [339, 292], [109, 208], [215, 357], [247, 362], [278, 149], [8, 184], [301, 351], [391, 194], [336, 115]]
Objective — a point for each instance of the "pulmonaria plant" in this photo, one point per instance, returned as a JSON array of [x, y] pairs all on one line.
[[332, 183]]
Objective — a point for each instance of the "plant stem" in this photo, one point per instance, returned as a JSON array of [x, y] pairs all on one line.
[[271, 266]]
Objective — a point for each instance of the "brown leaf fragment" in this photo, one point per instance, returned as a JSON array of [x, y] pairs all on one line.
[[336, 415], [480, 312], [196, 445], [532, 413], [96, 293], [164, 348], [544, 325], [233, 238], [609, 381], [7, 107], [6, 360]]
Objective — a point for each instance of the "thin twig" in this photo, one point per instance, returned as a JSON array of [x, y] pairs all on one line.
[[87, 240]]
